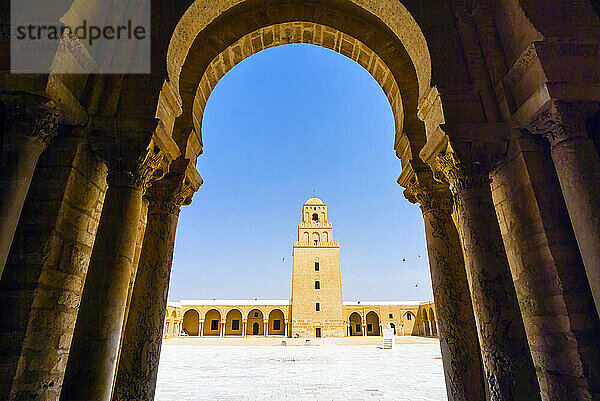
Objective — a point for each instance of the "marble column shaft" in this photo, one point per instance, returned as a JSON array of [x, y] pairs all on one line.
[[577, 165], [508, 366], [95, 347], [27, 129], [142, 338], [458, 332]]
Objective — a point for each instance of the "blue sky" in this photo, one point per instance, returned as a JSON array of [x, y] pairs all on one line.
[[282, 123]]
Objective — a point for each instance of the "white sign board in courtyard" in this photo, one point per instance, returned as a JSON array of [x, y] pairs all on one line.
[[388, 338]]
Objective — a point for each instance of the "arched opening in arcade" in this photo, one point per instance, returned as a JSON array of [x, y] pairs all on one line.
[[212, 323], [255, 323], [355, 324], [277, 323], [381, 140], [191, 322], [233, 323], [395, 59], [373, 327], [379, 169]]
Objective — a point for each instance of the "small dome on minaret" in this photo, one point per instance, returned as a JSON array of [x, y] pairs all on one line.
[[314, 201]]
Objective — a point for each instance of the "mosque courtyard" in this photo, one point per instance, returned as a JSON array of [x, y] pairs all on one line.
[[325, 369]]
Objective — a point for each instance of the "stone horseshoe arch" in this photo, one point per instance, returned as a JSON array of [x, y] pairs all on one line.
[[210, 39]]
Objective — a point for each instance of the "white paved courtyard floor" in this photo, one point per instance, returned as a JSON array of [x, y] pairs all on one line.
[[192, 369]]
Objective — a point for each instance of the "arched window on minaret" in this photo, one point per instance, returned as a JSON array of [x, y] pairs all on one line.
[[316, 238], [306, 237], [322, 216], [315, 217], [325, 236]]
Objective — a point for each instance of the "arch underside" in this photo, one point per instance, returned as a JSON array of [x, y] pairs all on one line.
[[291, 33]]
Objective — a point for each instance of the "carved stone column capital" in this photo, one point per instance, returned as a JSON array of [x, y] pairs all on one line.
[[558, 121], [174, 190], [32, 116], [168, 194], [429, 197], [138, 172], [460, 175]]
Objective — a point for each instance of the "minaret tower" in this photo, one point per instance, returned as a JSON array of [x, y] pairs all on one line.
[[316, 306]]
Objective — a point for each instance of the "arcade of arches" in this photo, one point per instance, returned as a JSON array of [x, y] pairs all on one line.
[[247, 318], [497, 131]]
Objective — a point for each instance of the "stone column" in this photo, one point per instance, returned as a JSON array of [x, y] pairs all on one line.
[[94, 350], [266, 332], [507, 362], [141, 230], [458, 332], [142, 339], [285, 334], [46, 267], [28, 127], [578, 168], [244, 327], [364, 330], [201, 331], [552, 292]]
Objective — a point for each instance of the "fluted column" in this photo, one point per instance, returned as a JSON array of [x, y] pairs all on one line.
[[142, 339], [457, 329], [578, 168], [28, 127], [509, 370], [94, 350]]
